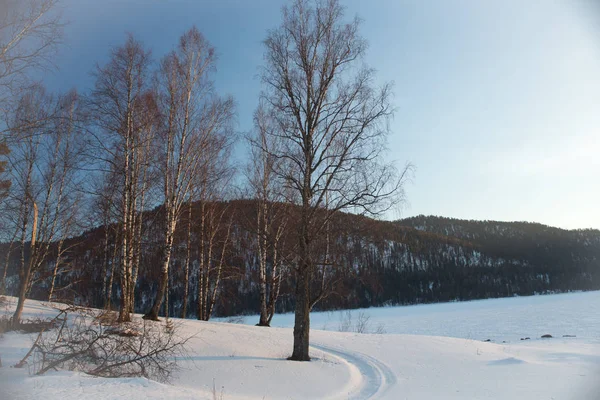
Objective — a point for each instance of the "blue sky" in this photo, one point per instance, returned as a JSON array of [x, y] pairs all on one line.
[[498, 102]]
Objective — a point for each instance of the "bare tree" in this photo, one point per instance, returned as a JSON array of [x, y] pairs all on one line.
[[61, 264], [193, 115], [215, 241], [30, 31], [43, 162], [270, 214], [213, 235], [124, 110], [144, 178], [103, 212], [332, 122], [106, 215]]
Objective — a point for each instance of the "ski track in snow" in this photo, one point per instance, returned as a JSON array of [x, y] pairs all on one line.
[[377, 377]]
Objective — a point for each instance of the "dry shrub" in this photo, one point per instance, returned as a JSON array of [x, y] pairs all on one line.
[[124, 332], [34, 325], [236, 319], [107, 318], [345, 321], [380, 330], [361, 325], [82, 342]]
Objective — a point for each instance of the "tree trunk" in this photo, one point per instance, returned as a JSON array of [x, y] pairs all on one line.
[[113, 262], [128, 213], [262, 261], [55, 270], [138, 225], [302, 316], [167, 297], [25, 274], [124, 315], [303, 275], [276, 274], [201, 269], [213, 298], [24, 284], [105, 263], [208, 266], [164, 277], [187, 262]]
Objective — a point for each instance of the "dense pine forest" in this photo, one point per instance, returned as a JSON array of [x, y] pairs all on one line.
[[374, 263]]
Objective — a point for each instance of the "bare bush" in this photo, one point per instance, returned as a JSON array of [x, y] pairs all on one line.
[[107, 317], [236, 319], [380, 330], [34, 325], [83, 341], [31, 325], [345, 321], [361, 325], [26, 326]]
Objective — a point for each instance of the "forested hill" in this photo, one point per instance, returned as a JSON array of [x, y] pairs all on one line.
[[474, 229], [414, 260], [536, 243], [513, 258]]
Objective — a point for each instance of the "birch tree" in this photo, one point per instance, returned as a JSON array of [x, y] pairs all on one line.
[[122, 106], [106, 215], [270, 213], [43, 166], [193, 114], [332, 121], [215, 240]]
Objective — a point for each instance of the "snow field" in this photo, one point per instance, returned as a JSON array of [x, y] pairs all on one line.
[[248, 362]]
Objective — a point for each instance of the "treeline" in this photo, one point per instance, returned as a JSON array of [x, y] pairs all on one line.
[[377, 263]]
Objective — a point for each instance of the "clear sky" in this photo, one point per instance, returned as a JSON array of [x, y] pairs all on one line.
[[498, 101]]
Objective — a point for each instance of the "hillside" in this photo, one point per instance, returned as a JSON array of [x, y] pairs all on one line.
[[415, 260]]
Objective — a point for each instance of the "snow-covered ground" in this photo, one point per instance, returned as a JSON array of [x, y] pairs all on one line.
[[428, 352], [506, 319]]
